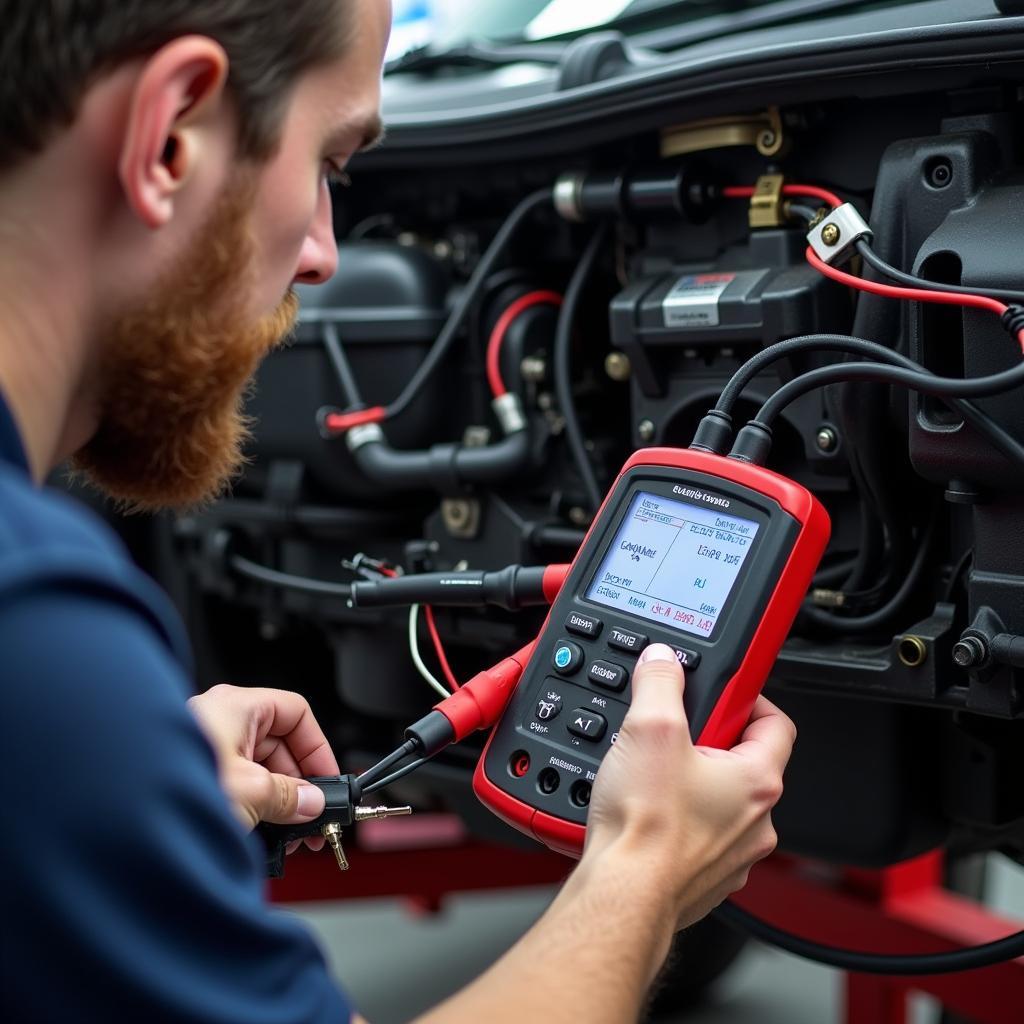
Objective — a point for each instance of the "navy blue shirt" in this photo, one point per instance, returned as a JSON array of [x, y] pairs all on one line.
[[130, 892]]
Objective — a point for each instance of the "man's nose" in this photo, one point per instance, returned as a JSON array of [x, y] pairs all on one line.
[[318, 258]]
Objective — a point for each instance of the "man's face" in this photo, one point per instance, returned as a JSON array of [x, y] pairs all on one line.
[[176, 364]]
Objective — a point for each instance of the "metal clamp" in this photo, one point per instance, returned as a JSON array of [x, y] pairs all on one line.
[[835, 235]]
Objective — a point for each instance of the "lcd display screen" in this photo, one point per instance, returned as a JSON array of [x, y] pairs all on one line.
[[673, 562]]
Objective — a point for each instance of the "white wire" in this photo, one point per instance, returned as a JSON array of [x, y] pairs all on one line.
[[414, 652]]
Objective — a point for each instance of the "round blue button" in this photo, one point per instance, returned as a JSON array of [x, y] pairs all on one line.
[[563, 656]]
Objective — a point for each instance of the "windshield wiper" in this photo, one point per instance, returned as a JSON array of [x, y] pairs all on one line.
[[474, 55]]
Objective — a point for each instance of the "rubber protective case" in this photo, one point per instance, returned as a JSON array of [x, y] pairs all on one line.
[[805, 538]]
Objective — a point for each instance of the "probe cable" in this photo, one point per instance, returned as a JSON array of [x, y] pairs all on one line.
[[501, 328], [338, 423], [719, 419]]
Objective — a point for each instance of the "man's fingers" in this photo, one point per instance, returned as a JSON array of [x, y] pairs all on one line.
[[289, 717], [657, 690], [287, 801], [769, 735]]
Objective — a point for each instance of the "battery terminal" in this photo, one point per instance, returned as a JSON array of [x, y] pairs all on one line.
[[766, 205]]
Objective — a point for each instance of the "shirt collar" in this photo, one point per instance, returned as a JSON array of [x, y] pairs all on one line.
[[11, 447]]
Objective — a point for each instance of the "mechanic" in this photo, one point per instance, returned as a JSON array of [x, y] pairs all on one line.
[[164, 174]]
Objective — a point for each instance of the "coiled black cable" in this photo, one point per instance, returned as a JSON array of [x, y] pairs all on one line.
[[563, 369]]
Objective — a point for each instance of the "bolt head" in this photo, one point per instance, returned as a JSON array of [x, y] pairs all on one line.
[[645, 430], [830, 234], [616, 366], [826, 439]]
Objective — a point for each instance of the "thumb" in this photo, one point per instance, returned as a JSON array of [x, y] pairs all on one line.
[[658, 684], [290, 801]]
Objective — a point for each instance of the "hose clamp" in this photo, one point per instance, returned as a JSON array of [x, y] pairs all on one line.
[[566, 196], [509, 412], [365, 433]]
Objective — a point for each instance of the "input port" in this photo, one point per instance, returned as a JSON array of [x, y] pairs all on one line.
[[547, 781], [580, 793], [519, 764]]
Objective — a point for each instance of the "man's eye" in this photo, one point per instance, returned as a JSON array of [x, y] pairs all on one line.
[[335, 175]]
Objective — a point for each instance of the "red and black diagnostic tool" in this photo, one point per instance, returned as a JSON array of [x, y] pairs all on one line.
[[709, 554]]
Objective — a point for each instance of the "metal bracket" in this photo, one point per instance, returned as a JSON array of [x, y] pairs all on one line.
[[762, 130], [766, 203]]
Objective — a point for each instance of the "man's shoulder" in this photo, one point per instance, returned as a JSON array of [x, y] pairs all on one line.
[[37, 520], [48, 540]]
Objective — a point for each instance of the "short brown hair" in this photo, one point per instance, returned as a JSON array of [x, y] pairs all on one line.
[[52, 50]]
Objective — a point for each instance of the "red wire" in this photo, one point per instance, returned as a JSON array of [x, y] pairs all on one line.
[[339, 422], [814, 191], [428, 614], [497, 337]]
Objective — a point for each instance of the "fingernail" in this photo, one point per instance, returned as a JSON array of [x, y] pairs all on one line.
[[311, 801], [657, 652]]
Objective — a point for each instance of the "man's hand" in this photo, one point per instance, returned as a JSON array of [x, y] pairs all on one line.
[[266, 740], [692, 819]]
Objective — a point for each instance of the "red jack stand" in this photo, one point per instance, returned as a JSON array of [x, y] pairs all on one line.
[[901, 909]]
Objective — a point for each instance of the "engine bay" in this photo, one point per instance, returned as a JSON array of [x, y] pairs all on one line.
[[635, 275]]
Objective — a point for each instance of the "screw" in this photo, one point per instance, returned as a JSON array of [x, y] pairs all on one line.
[[830, 234], [617, 366], [826, 439], [645, 430]]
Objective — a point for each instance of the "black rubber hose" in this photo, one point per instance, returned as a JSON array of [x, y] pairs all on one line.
[[875, 963], [873, 260], [469, 296], [446, 468], [342, 367], [563, 367]]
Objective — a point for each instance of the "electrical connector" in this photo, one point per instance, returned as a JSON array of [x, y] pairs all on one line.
[[834, 237]]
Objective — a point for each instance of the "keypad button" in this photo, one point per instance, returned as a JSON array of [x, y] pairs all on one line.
[[686, 657], [547, 709], [625, 640], [587, 724], [567, 657], [608, 674], [584, 625]]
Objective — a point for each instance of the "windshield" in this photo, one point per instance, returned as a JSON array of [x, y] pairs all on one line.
[[442, 23]]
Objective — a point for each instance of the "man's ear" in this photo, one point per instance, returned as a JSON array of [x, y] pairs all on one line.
[[178, 96]]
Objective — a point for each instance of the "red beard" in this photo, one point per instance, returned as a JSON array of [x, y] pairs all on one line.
[[174, 374]]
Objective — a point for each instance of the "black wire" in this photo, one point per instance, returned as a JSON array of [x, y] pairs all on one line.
[[563, 370], [1007, 444], [305, 584], [887, 270], [870, 621], [465, 302], [920, 380], [875, 963], [342, 367], [807, 213], [368, 777], [395, 776]]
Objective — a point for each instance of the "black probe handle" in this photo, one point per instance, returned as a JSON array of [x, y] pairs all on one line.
[[342, 794]]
